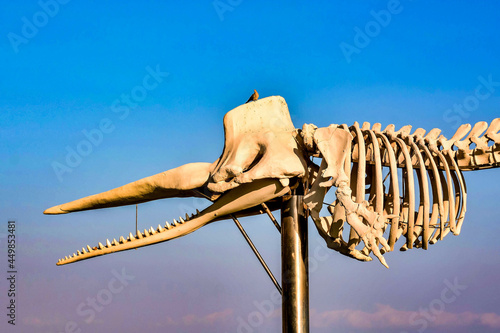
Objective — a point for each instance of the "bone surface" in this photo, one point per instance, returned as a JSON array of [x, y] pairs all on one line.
[[265, 156]]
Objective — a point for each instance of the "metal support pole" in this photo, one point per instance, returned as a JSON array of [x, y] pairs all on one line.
[[294, 266], [257, 254], [271, 216]]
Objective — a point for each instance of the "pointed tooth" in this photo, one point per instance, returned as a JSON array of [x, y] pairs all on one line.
[[197, 212], [130, 237], [114, 242], [66, 257], [187, 217], [78, 252], [122, 240], [181, 220], [175, 223], [100, 246], [89, 248], [160, 229], [83, 250], [167, 225], [146, 233], [74, 254], [151, 231], [138, 235], [108, 244]]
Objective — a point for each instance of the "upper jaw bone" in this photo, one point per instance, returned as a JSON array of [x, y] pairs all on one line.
[[179, 182]]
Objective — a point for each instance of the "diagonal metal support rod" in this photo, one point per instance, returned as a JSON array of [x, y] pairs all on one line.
[[271, 216], [257, 254]]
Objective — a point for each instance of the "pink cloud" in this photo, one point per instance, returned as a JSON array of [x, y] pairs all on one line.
[[385, 316], [213, 319], [189, 319], [218, 316], [210, 319], [37, 321], [34, 321], [490, 319]]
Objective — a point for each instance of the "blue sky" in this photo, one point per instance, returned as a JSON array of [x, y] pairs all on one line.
[[417, 66]]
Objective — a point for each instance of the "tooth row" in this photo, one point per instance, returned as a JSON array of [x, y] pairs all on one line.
[[131, 237]]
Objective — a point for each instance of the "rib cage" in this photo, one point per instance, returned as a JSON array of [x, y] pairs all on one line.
[[426, 190]]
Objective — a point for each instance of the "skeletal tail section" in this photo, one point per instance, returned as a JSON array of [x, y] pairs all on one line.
[[477, 149], [238, 199]]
